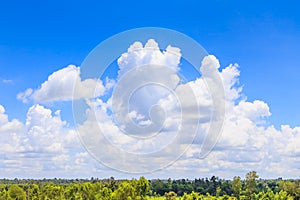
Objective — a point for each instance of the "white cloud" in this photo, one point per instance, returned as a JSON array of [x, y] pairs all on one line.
[[44, 142], [138, 55], [12, 126], [60, 86], [246, 136], [253, 110], [23, 96]]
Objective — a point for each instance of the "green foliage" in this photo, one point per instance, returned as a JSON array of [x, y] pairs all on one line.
[[125, 191], [237, 186], [192, 196], [4, 195], [17, 193], [251, 184], [291, 187], [104, 194], [170, 195], [142, 189], [53, 192], [33, 192]]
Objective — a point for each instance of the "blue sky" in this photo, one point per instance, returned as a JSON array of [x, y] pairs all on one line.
[[38, 38]]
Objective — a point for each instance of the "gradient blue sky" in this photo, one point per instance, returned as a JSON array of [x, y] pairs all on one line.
[[263, 37], [39, 37]]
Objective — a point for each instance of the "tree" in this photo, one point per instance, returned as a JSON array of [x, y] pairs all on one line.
[[4, 195], [51, 191], [212, 186], [218, 191], [17, 193], [236, 186], [125, 191], [283, 195], [142, 187], [170, 195], [104, 194], [33, 192], [251, 184], [72, 192], [87, 190], [159, 187], [192, 196], [292, 188]]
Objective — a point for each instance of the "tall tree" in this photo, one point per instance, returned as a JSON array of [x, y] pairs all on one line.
[[142, 187], [251, 184], [236, 186]]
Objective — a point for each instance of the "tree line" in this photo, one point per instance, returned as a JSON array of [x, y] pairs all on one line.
[[249, 188]]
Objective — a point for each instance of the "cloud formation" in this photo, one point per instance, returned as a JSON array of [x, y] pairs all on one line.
[[60, 87], [43, 146], [45, 143]]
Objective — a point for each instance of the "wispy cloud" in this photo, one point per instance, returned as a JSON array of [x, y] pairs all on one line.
[[7, 81]]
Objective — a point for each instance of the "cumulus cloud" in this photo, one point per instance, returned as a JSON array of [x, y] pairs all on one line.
[[248, 141], [6, 125], [139, 55], [245, 139], [60, 86], [44, 142], [42, 145]]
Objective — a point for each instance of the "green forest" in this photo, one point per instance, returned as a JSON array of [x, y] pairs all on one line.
[[250, 187]]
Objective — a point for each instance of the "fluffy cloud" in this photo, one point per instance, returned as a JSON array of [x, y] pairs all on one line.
[[139, 55], [6, 125], [60, 86], [143, 118], [45, 143], [247, 141]]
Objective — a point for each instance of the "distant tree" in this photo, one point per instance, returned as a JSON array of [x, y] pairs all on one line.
[[236, 186], [251, 184], [159, 187], [226, 187], [213, 186]]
